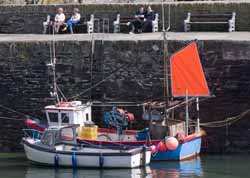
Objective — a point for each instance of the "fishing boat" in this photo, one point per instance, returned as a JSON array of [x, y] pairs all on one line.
[[170, 138], [59, 147], [188, 83]]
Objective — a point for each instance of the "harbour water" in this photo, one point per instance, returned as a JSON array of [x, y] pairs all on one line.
[[209, 166]]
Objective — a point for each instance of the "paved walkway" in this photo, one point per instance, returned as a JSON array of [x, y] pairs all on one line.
[[235, 36]]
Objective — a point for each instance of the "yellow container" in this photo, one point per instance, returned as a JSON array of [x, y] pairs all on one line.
[[88, 132]]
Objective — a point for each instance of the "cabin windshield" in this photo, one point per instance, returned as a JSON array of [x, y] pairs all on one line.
[[65, 118], [48, 139], [53, 117], [67, 134]]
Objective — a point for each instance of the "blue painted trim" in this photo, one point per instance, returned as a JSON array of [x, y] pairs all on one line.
[[74, 161], [56, 161], [183, 151]]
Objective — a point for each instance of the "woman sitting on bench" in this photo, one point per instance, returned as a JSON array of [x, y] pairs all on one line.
[[59, 20], [75, 18]]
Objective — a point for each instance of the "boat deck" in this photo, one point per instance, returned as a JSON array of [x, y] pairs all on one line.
[[179, 36]]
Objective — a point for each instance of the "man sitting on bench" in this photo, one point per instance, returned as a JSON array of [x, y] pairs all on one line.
[[75, 18], [136, 25], [150, 17]]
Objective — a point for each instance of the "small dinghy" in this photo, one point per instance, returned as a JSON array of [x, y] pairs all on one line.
[[58, 147]]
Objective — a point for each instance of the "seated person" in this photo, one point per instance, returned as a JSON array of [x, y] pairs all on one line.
[[75, 18], [136, 25], [150, 17], [59, 20]]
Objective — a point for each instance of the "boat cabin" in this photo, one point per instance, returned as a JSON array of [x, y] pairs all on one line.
[[65, 113]]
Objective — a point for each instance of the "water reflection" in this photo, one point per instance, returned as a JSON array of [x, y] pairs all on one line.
[[42, 172], [187, 168]]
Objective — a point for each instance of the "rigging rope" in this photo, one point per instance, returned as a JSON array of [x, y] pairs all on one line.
[[100, 82], [12, 110], [10, 118], [60, 91]]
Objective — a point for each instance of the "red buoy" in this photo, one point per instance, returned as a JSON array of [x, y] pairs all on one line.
[[171, 143], [130, 116], [161, 147], [153, 149]]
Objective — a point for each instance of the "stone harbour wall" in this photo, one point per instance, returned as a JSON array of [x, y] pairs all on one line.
[[29, 18], [137, 68]]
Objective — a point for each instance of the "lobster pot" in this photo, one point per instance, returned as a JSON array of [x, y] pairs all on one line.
[[88, 132]]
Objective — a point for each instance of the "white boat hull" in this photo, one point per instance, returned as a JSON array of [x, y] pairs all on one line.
[[88, 158]]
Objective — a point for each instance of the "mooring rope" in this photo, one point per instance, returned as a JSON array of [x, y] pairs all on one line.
[[225, 122]]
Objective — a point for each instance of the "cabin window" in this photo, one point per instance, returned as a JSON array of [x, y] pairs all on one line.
[[87, 117], [65, 118], [48, 139], [67, 134], [53, 117]]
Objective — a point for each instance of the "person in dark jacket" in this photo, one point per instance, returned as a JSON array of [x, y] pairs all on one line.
[[136, 25], [149, 18]]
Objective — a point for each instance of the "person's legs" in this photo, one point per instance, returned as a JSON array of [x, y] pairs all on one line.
[[137, 25], [71, 24], [132, 27], [147, 26], [56, 27], [140, 25]]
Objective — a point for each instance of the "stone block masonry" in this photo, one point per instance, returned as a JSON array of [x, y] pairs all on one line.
[[29, 18], [25, 80]]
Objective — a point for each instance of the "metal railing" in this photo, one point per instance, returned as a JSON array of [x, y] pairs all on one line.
[[32, 133]]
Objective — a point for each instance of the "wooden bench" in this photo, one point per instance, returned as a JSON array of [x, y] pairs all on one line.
[[226, 18], [90, 24], [125, 20]]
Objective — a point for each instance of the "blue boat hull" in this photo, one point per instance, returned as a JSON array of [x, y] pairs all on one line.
[[185, 150]]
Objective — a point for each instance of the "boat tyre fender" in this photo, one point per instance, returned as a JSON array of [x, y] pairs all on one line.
[[56, 161], [101, 161], [74, 161]]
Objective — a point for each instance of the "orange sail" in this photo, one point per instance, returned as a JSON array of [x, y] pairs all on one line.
[[187, 75]]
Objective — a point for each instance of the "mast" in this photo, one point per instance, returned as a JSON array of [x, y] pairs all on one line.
[[54, 71], [165, 59], [91, 66]]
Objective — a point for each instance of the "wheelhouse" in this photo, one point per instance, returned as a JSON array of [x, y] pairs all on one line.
[[65, 113]]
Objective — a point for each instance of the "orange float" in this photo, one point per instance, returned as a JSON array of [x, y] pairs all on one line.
[[171, 143]]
